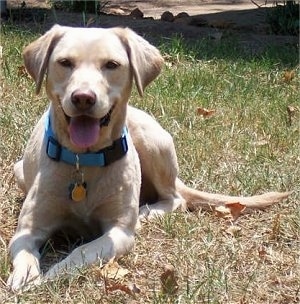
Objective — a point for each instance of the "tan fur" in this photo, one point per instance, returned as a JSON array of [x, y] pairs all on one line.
[[147, 175]]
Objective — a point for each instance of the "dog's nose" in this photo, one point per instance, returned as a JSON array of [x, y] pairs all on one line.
[[83, 100]]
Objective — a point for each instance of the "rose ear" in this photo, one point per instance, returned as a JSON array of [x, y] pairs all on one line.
[[145, 59], [36, 55]]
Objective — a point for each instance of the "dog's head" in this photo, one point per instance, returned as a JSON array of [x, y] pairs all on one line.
[[89, 78]]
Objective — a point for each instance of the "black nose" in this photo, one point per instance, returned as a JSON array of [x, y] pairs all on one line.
[[83, 100]]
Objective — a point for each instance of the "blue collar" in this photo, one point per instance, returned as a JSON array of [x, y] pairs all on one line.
[[102, 158]]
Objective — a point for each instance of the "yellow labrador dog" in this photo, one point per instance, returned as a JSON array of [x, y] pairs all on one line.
[[93, 164]]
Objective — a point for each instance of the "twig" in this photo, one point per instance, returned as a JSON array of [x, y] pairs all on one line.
[[256, 4]]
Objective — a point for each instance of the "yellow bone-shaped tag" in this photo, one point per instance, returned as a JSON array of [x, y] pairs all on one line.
[[78, 192]]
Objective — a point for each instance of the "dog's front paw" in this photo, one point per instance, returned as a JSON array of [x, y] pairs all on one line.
[[53, 273], [65, 267], [23, 279]]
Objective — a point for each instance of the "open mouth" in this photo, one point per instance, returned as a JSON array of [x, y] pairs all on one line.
[[84, 130]]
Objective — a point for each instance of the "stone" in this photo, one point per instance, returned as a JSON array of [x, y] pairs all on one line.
[[137, 13], [167, 16]]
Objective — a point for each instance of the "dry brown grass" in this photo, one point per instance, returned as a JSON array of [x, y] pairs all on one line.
[[246, 147]]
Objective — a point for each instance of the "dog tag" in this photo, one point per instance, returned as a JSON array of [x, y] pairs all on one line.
[[78, 191]]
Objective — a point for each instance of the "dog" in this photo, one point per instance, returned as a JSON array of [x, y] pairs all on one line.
[[95, 165]]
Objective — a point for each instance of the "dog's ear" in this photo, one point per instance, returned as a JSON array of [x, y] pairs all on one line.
[[36, 55], [145, 59]]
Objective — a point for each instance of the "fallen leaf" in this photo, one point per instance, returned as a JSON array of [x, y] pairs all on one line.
[[262, 252], [22, 72], [168, 280], [112, 270], [291, 110], [231, 210], [289, 75], [129, 289], [223, 212], [236, 209], [205, 112]]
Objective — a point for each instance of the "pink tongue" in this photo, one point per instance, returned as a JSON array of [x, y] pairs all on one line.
[[84, 131]]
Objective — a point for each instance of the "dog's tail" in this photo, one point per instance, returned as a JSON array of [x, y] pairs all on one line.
[[198, 199]]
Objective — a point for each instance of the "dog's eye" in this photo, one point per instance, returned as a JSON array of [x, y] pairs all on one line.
[[111, 65], [65, 63]]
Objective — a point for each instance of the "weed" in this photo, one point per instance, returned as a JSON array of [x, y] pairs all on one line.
[[284, 18]]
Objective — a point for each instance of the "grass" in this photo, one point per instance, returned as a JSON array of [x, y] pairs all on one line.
[[250, 145]]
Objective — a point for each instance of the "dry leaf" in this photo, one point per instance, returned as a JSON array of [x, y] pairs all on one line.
[[130, 290], [289, 75], [231, 210], [22, 72], [236, 209], [262, 252], [205, 112], [291, 110], [112, 270], [223, 212], [168, 280]]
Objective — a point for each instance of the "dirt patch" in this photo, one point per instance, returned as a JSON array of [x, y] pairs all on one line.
[[192, 20]]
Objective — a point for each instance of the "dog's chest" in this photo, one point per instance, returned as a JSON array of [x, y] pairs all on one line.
[[102, 194]]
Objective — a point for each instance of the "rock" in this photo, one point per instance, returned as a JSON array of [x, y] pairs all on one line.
[[182, 15], [167, 16], [137, 13], [182, 18], [117, 11]]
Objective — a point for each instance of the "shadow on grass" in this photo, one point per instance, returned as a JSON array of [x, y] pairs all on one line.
[[236, 38]]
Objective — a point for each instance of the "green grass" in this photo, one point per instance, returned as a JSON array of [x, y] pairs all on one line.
[[246, 147]]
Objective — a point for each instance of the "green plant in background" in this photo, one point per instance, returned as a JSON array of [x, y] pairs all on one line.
[[85, 6], [284, 19]]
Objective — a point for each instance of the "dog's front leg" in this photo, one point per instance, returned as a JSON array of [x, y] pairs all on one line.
[[114, 243], [24, 249]]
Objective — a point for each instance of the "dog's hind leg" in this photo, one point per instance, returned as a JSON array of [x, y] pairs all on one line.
[[19, 175], [159, 172], [160, 208]]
